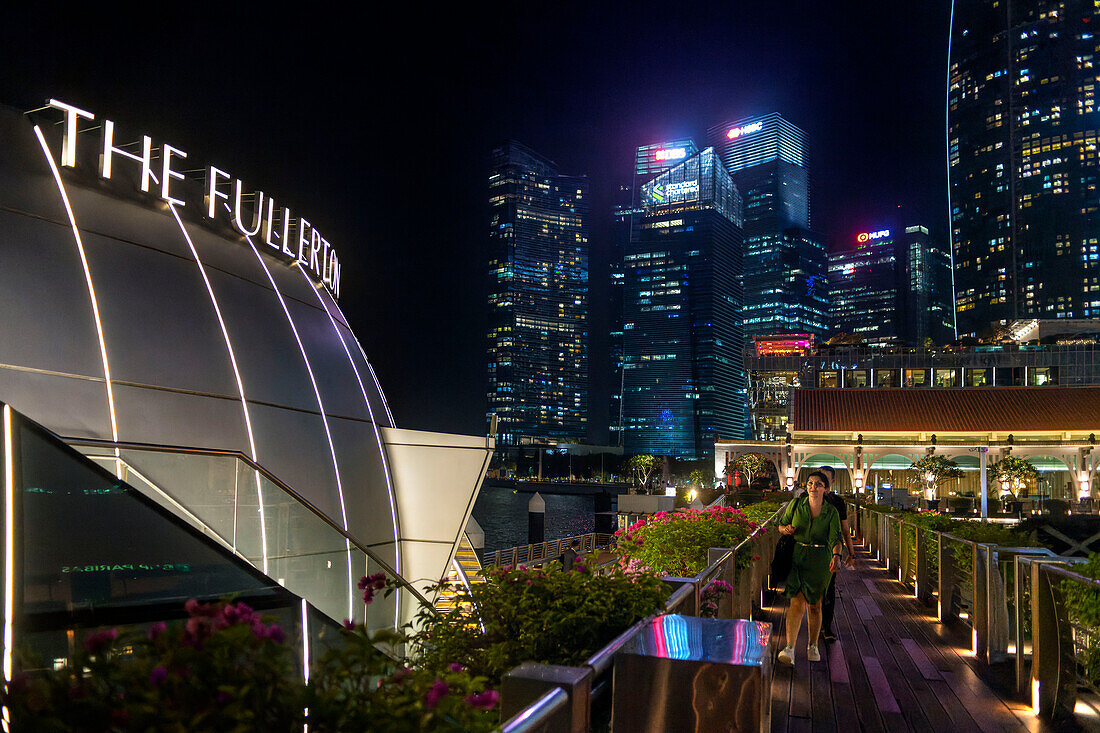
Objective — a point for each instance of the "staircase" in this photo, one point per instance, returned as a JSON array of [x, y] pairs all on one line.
[[463, 572]]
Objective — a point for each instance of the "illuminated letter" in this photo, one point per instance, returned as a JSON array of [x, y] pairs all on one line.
[[314, 248], [257, 210], [68, 145], [286, 232], [334, 270], [324, 263], [109, 150], [212, 192], [269, 223], [166, 173], [303, 238]]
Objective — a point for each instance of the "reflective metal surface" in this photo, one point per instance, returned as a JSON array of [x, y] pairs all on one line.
[[694, 674]]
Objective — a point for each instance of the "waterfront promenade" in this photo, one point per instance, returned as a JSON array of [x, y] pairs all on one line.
[[894, 667]]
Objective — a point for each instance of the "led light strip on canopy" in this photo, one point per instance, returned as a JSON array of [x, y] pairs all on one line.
[[374, 426], [91, 294], [240, 389], [324, 420]]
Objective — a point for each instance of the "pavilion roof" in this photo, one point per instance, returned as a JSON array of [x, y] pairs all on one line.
[[961, 409]]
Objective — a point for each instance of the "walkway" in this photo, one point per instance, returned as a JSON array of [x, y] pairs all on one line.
[[893, 668]]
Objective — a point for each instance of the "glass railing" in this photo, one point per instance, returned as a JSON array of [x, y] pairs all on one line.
[[250, 512]]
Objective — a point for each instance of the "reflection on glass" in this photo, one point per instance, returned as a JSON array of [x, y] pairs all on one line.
[[229, 500]]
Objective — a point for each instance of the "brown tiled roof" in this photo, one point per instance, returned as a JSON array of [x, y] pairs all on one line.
[[977, 409]]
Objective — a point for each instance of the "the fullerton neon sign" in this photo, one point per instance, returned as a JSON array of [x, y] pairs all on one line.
[[252, 214]]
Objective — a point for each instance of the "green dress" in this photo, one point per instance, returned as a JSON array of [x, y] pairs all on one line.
[[814, 540]]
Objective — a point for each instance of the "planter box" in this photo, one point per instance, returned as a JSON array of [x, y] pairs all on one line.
[[645, 504]]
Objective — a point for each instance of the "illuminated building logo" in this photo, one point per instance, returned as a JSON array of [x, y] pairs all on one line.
[[872, 236], [662, 192], [670, 154], [737, 132]]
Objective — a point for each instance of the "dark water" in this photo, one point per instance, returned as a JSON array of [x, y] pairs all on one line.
[[503, 516]]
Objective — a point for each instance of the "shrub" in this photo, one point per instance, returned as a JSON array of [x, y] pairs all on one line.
[[536, 615], [1083, 606], [228, 669], [676, 543]]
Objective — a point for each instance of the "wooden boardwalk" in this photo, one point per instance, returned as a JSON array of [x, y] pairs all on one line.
[[893, 668]]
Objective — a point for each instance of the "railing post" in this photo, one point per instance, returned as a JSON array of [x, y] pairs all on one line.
[[979, 603], [920, 586], [887, 537], [996, 624], [1053, 668], [947, 579], [1021, 662], [528, 682], [730, 607], [903, 553]]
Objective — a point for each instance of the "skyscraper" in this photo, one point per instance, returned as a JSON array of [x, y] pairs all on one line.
[[892, 284], [785, 263], [538, 298], [929, 305], [1022, 134], [866, 278], [649, 162], [683, 377]]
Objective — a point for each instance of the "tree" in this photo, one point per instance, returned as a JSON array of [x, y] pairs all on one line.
[[1010, 474], [750, 464], [930, 471], [643, 465], [699, 478]]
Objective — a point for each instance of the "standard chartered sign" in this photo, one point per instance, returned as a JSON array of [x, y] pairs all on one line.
[[226, 199], [668, 192]]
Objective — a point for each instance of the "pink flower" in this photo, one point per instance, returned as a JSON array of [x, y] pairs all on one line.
[[456, 667], [349, 625], [158, 676], [436, 693], [275, 633], [486, 700], [156, 629], [376, 582], [98, 640]]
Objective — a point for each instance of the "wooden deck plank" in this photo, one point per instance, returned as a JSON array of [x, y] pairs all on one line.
[[920, 659], [894, 667], [857, 645], [947, 654]]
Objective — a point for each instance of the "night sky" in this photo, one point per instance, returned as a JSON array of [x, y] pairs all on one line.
[[378, 126]]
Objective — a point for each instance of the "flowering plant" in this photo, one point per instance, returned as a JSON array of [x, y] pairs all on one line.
[[676, 543], [712, 593], [541, 615], [228, 668]]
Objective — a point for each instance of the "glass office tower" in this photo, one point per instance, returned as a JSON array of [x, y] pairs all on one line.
[[866, 279], [649, 162], [785, 262], [538, 299], [1022, 135], [929, 307], [683, 379]]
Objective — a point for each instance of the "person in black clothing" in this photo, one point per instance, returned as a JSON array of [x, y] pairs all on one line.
[[829, 604], [569, 556]]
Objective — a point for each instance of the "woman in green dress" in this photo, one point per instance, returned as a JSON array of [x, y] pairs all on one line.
[[816, 529]]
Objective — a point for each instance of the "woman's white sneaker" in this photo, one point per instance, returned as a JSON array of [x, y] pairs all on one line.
[[812, 653], [787, 655]]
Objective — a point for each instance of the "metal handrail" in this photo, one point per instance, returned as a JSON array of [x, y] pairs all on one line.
[[600, 662], [154, 448], [539, 552], [538, 713]]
